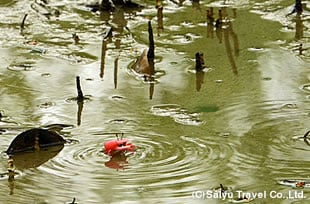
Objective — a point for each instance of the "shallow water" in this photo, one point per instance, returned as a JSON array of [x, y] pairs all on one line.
[[237, 123]]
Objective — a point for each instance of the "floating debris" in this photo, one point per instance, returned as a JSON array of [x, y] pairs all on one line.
[[117, 97], [46, 75], [38, 50], [267, 78], [118, 121], [295, 183]]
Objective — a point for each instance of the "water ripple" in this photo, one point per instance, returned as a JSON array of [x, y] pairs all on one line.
[[165, 161], [306, 88], [179, 114], [47, 104], [26, 66]]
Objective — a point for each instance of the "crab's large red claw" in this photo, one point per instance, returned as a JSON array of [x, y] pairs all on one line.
[[131, 147], [127, 147]]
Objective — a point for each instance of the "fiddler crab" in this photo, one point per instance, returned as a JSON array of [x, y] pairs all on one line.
[[114, 147]]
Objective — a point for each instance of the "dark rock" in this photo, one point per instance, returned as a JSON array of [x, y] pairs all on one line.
[[34, 139]]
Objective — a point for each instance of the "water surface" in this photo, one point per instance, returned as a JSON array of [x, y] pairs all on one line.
[[237, 123]]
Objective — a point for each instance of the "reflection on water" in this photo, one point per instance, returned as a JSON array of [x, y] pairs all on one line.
[[35, 159], [223, 28], [241, 125], [117, 161], [199, 79], [160, 18], [28, 160], [299, 34]]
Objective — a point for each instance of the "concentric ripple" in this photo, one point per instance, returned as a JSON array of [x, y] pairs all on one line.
[[26, 66], [46, 104], [74, 99], [167, 162]]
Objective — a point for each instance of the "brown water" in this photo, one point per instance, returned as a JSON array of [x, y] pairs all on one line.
[[237, 123]]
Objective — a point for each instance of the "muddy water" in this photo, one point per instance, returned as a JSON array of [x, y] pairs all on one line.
[[237, 123]]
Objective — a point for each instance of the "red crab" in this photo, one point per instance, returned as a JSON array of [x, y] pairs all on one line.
[[116, 146]]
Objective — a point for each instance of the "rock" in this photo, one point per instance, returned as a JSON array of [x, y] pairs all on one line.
[[34, 139]]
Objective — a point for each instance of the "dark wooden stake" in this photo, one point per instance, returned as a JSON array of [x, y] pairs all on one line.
[[22, 25], [76, 38], [103, 51], [151, 53], [150, 58], [106, 5], [115, 72], [222, 187], [297, 8], [80, 96], [199, 61]]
